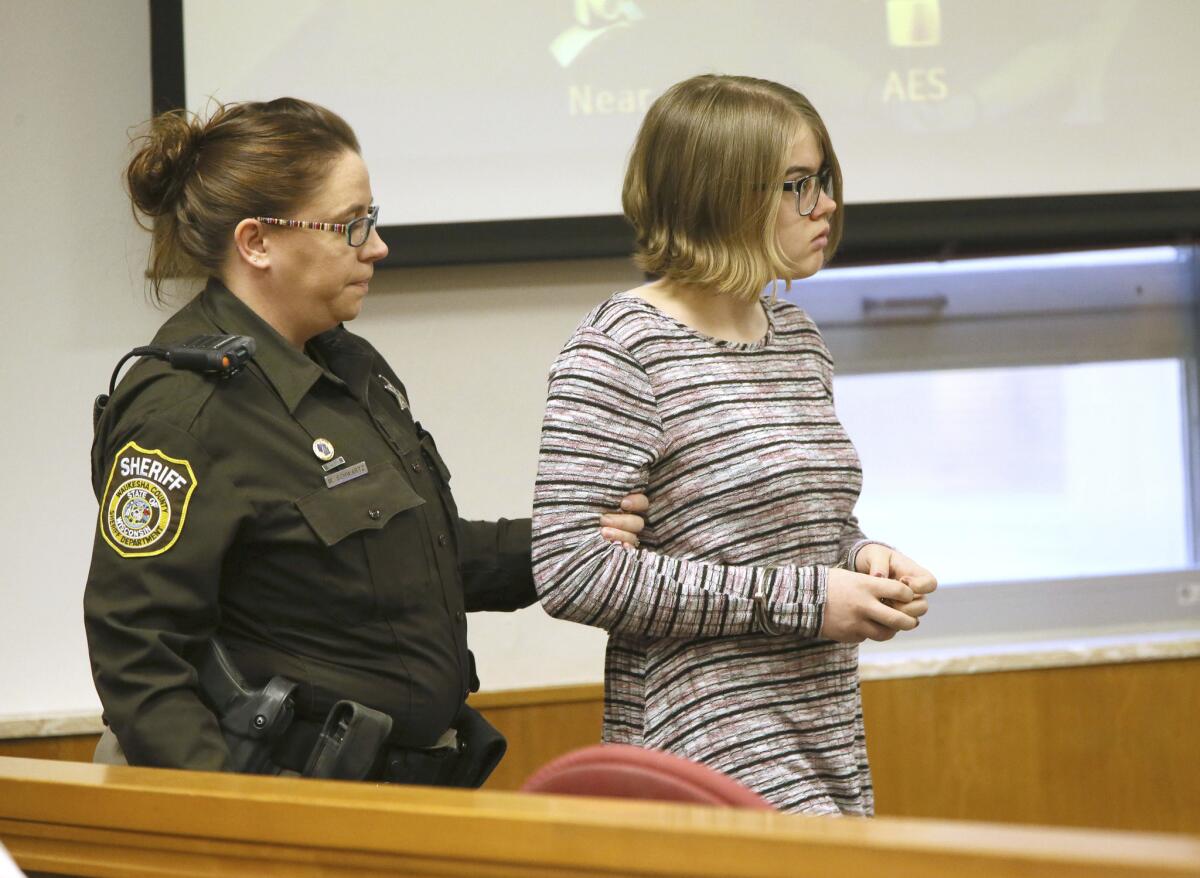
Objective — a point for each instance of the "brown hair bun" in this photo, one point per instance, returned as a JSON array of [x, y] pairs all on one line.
[[166, 155]]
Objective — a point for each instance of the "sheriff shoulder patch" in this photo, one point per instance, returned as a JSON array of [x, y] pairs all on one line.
[[145, 501]]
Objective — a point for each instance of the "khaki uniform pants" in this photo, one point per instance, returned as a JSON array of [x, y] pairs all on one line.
[[108, 750]]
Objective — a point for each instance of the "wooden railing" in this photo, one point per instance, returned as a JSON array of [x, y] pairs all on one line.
[[79, 819]]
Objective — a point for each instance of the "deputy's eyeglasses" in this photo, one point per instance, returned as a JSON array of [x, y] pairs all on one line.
[[808, 190], [356, 231]]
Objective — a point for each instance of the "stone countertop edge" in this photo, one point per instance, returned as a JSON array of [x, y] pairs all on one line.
[[55, 726], [1061, 652]]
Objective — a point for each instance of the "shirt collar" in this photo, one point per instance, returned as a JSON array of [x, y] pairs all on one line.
[[290, 372], [347, 357]]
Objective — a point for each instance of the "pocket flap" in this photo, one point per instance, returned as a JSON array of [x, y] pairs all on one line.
[[366, 503]]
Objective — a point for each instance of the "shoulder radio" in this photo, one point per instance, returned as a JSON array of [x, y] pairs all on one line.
[[222, 355]]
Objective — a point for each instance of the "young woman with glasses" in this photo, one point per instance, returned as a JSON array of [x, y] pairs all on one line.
[[295, 510], [733, 631]]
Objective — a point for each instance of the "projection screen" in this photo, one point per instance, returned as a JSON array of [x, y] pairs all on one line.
[[500, 130]]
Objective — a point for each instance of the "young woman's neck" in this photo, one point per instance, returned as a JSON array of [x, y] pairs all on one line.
[[709, 313]]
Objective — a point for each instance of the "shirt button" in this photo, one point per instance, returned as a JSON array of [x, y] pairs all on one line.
[[459, 615], [374, 514], [416, 467], [442, 539]]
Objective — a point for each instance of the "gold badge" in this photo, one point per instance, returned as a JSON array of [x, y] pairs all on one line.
[[323, 449], [145, 501]]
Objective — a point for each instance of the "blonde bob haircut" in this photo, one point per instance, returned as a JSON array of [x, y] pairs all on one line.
[[705, 179]]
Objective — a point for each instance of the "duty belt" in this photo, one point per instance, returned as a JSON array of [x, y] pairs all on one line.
[[265, 736]]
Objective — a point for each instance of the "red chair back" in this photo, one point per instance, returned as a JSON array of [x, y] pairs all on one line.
[[626, 772]]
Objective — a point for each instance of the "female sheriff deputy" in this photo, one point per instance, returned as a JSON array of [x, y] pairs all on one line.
[[296, 509]]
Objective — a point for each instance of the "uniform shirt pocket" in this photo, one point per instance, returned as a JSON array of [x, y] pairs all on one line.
[[374, 531], [362, 504]]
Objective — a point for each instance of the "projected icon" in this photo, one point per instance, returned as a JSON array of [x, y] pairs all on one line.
[[593, 19], [913, 23]]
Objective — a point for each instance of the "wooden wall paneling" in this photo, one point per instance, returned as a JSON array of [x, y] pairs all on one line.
[[1102, 746], [540, 724], [68, 748]]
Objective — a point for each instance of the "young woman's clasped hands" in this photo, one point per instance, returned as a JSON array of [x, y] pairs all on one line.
[[884, 594]]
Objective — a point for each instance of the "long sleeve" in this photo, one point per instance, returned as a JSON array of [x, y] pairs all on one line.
[[166, 516], [852, 540], [601, 437], [495, 564]]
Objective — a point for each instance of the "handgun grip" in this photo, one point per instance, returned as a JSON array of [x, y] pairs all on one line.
[[223, 685], [250, 718]]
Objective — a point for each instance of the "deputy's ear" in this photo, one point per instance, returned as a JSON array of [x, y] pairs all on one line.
[[250, 239]]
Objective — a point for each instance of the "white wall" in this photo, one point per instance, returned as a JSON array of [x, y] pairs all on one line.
[[75, 77], [473, 345]]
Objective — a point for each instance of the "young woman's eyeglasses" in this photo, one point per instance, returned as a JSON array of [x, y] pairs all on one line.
[[356, 231], [808, 190]]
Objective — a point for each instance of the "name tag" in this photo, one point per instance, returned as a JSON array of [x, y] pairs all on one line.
[[341, 476]]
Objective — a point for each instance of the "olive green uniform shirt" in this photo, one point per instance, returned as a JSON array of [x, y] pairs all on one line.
[[218, 515]]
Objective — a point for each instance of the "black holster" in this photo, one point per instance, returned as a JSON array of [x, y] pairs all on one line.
[[478, 750], [481, 745], [251, 719], [351, 743]]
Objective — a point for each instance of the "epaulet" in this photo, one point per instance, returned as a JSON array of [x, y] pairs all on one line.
[[152, 389]]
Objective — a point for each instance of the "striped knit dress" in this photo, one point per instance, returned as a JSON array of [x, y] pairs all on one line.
[[712, 650]]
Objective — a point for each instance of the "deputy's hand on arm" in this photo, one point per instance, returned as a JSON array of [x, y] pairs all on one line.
[[882, 561], [855, 608], [624, 526]]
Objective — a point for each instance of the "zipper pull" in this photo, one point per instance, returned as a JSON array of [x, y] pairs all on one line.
[[395, 391]]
